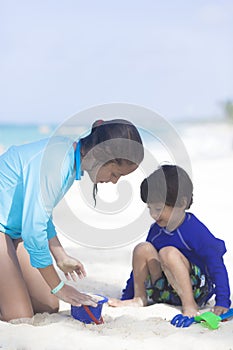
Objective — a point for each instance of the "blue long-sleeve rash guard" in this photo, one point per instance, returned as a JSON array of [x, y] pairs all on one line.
[[33, 179], [200, 247]]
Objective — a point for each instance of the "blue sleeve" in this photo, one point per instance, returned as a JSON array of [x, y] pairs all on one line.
[[128, 291], [35, 222], [51, 231], [210, 251], [41, 194], [213, 257]]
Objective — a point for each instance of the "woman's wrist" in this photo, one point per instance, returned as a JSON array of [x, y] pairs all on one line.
[[56, 249], [50, 275], [57, 288]]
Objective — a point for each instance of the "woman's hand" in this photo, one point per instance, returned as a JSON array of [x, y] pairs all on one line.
[[72, 268], [72, 296]]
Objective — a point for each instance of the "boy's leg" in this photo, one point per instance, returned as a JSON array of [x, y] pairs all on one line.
[[15, 301], [177, 270], [145, 262], [39, 291]]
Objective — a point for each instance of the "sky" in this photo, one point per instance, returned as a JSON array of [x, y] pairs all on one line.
[[59, 57]]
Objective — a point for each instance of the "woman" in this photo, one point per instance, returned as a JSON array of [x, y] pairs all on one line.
[[33, 179]]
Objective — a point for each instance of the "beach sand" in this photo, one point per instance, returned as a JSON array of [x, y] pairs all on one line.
[[107, 271]]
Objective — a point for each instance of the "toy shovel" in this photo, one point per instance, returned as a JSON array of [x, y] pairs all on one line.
[[208, 319]]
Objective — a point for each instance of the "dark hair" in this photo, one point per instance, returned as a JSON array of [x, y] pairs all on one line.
[[117, 129], [169, 184], [116, 140]]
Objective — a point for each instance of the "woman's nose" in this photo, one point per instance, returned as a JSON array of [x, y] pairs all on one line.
[[114, 179]]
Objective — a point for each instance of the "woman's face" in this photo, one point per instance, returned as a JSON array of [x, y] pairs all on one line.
[[111, 172]]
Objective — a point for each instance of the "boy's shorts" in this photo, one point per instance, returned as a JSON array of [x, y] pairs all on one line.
[[163, 292]]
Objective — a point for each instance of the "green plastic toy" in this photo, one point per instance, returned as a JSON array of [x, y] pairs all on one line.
[[207, 319]]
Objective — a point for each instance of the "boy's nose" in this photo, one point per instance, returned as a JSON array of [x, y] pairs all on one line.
[[155, 215]]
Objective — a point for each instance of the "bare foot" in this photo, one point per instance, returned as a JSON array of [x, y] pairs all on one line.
[[190, 311], [135, 302]]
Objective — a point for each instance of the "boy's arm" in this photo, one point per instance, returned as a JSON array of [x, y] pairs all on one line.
[[212, 253], [128, 291], [209, 250], [218, 274]]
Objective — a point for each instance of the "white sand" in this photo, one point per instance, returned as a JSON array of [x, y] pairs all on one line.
[[128, 328]]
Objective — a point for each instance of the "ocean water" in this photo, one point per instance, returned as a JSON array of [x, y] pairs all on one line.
[[198, 139], [19, 134], [199, 147]]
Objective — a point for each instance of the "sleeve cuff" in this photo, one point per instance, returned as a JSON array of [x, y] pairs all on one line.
[[223, 303], [51, 231], [40, 258]]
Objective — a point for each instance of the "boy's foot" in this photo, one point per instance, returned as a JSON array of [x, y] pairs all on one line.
[[190, 311], [135, 302]]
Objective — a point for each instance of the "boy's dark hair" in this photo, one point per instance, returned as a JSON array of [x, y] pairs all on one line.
[[169, 184]]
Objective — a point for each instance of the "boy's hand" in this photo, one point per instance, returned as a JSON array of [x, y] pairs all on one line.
[[71, 268], [219, 310]]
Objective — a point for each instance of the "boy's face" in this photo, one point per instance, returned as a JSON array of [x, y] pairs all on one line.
[[166, 216]]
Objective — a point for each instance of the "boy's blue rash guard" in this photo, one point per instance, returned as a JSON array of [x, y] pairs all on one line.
[[200, 247], [33, 179]]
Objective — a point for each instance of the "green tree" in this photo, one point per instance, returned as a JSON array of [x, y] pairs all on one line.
[[228, 109]]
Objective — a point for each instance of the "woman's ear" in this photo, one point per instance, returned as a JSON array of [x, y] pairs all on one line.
[[103, 153], [88, 161]]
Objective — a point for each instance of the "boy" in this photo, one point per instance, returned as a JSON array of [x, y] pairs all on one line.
[[181, 262]]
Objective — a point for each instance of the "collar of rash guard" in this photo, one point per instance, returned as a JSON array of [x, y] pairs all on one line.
[[79, 171]]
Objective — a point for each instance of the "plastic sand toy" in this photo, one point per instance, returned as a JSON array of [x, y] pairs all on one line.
[[90, 314], [207, 319]]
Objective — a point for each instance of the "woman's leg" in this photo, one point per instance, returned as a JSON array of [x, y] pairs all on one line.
[[177, 270], [145, 262], [41, 298], [15, 301]]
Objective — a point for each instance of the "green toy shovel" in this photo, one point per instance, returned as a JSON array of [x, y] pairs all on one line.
[[207, 319]]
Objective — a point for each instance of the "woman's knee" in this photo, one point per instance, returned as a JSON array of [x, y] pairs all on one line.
[[15, 310], [53, 305], [49, 304], [53, 309]]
